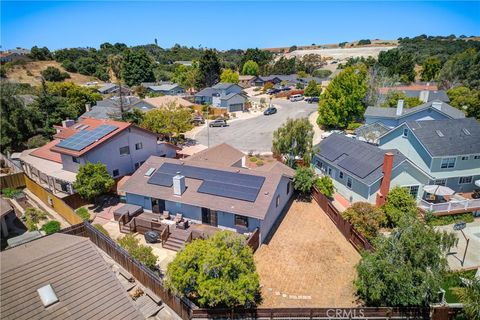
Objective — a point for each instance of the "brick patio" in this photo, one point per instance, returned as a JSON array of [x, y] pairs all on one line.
[[307, 263]]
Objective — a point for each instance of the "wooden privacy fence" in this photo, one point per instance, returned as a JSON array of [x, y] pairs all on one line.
[[53, 201], [254, 240], [346, 228], [13, 180]]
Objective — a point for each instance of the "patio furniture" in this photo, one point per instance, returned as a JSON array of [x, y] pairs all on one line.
[[178, 218], [166, 215], [438, 190], [130, 210], [169, 222], [147, 222], [151, 236], [183, 224]]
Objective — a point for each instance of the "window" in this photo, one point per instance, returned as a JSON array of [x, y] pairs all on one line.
[[405, 132], [289, 185], [330, 171], [349, 182], [341, 175], [465, 180], [75, 159], [440, 182], [137, 165], [448, 163], [277, 202], [116, 173], [319, 164], [241, 221], [124, 150], [476, 157], [465, 158], [138, 146], [413, 190]]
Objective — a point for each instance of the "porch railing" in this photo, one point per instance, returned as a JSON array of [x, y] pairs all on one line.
[[451, 206]]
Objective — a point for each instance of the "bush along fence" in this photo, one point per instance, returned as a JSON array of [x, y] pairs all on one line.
[[358, 241]]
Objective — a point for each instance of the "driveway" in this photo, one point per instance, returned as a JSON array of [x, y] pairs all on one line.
[[307, 263], [255, 134]]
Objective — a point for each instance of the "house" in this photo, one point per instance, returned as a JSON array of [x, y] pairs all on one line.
[[171, 89], [276, 79], [392, 117], [213, 187], [229, 96], [111, 108], [359, 170], [422, 95], [121, 146], [184, 63], [247, 81], [161, 101], [61, 277], [112, 88], [7, 220]]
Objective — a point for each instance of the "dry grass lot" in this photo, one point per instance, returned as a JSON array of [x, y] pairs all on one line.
[[307, 263]]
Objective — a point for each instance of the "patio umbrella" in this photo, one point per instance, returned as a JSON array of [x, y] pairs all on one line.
[[438, 190]]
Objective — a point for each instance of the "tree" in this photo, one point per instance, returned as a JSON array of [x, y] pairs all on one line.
[[366, 218], [142, 253], [137, 67], [312, 62], [208, 69], [304, 180], [406, 268], [76, 96], [469, 296], [408, 102], [322, 73], [186, 76], [216, 272], [261, 57], [312, 89], [86, 66], [285, 66], [430, 69], [398, 63], [37, 141], [400, 203], [292, 48], [462, 69], [465, 99], [93, 180], [250, 68], [325, 186], [37, 53], [54, 74], [170, 120], [294, 140], [114, 62], [364, 42], [342, 101], [229, 76], [135, 116]]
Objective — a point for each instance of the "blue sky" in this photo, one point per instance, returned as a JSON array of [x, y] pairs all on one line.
[[231, 24]]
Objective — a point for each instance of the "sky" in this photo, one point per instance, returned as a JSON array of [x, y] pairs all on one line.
[[228, 24]]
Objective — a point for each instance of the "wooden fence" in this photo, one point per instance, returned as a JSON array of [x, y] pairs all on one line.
[[254, 240], [75, 201], [53, 201], [13, 180], [353, 236]]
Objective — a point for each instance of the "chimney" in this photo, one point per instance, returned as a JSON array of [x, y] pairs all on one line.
[[68, 123], [424, 96], [88, 107], [244, 162], [178, 185], [387, 176], [437, 105], [399, 107]]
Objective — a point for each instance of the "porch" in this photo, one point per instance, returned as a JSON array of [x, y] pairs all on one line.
[[458, 203]]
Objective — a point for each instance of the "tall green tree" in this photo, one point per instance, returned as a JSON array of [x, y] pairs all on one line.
[[398, 63], [54, 74], [170, 120], [137, 67], [216, 272], [208, 69], [400, 203], [229, 76], [304, 180], [261, 57], [465, 99], [250, 68], [343, 100], [186, 76], [407, 267], [430, 69], [312, 89], [366, 218], [393, 97], [40, 53], [93, 180], [76, 96], [462, 69], [312, 62], [293, 140]]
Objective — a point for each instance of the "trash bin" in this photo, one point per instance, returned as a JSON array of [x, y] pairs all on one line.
[[151, 236]]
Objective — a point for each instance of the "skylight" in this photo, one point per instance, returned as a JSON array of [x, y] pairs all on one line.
[[466, 132], [440, 133], [47, 295], [149, 172]]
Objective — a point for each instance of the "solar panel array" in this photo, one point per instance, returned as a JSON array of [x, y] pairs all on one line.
[[83, 139], [233, 185]]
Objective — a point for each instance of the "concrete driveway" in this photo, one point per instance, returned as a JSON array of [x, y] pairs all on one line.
[[255, 134]]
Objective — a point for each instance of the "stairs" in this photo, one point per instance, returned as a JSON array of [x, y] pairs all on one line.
[[176, 239]]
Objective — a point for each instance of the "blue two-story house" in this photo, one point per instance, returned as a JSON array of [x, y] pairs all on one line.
[[227, 96]]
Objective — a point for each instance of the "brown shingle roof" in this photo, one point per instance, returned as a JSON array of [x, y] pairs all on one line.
[[85, 286], [221, 154]]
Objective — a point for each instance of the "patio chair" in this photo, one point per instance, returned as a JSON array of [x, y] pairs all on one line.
[[166, 215], [178, 218], [183, 225]]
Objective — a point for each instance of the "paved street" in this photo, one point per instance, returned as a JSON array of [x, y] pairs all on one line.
[[255, 134]]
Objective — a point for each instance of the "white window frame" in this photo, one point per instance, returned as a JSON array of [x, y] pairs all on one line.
[[476, 157], [447, 163], [466, 177], [124, 154], [440, 182], [410, 190], [138, 144], [465, 158]]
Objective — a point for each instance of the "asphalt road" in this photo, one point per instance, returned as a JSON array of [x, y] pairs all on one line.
[[255, 134]]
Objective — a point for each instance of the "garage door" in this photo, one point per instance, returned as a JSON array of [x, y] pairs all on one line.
[[236, 107]]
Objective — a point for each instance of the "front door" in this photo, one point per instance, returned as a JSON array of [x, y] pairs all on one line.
[[209, 217], [158, 205]]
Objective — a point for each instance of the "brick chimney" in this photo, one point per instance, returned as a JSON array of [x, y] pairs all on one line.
[[387, 176]]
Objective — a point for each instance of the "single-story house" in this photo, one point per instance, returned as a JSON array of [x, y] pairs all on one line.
[[158, 102], [247, 81], [111, 108], [213, 187], [170, 89], [275, 79]]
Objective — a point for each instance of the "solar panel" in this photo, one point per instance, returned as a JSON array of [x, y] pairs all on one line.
[[161, 179], [229, 190], [82, 139]]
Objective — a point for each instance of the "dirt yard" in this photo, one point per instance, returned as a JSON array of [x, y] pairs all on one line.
[[307, 263]]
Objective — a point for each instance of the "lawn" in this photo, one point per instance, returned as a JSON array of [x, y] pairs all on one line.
[[453, 280]]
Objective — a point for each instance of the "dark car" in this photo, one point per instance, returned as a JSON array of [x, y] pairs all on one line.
[[312, 99], [218, 123], [270, 111]]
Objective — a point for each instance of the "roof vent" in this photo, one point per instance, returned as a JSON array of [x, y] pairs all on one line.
[[466, 132], [47, 295], [149, 172], [266, 193], [440, 133]]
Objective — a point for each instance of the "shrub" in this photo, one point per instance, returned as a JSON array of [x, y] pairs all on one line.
[[102, 230], [33, 216], [37, 141], [253, 159], [142, 253], [450, 219], [83, 213], [400, 203], [10, 192], [51, 227], [305, 178], [93, 180], [322, 73], [54, 74], [352, 126], [325, 186], [366, 218], [260, 163]]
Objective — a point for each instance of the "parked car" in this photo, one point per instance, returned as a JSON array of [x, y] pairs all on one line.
[[312, 99], [269, 111], [296, 97], [218, 123], [198, 120]]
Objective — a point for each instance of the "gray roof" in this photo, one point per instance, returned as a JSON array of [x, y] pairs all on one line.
[[84, 284], [356, 158], [282, 77], [207, 92], [5, 207], [445, 108], [107, 86], [164, 87], [450, 137], [231, 95], [223, 85], [107, 108]]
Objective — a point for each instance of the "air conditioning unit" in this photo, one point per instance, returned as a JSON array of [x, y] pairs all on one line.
[[50, 201]]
